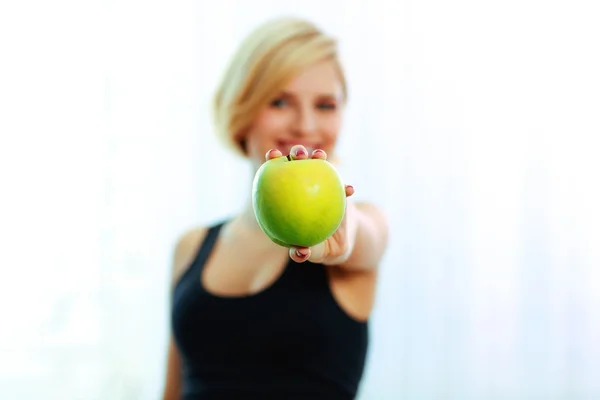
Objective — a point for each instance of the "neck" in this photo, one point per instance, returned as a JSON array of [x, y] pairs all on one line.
[[246, 227], [247, 217]]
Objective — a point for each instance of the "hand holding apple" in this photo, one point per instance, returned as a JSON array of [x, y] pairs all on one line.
[[300, 203]]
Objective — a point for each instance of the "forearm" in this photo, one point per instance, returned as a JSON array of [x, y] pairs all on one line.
[[370, 238], [357, 245]]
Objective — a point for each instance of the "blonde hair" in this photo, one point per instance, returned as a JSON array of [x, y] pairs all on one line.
[[264, 63]]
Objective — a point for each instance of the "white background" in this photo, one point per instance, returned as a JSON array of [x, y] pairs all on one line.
[[474, 124]]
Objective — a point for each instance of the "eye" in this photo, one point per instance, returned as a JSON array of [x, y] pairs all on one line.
[[279, 103], [326, 106]]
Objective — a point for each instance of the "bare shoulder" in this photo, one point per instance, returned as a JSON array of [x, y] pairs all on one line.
[[354, 291], [185, 250]]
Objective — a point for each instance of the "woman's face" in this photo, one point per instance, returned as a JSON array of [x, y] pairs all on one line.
[[308, 112]]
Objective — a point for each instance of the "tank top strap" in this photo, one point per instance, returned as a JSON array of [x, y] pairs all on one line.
[[202, 254], [207, 245]]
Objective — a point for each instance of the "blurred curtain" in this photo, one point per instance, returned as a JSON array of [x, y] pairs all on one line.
[[474, 124]]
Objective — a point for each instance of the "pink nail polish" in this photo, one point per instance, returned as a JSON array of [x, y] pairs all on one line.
[[300, 152]]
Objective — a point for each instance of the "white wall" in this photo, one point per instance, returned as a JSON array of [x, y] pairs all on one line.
[[474, 124]]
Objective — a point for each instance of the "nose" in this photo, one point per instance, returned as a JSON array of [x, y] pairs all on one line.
[[306, 122]]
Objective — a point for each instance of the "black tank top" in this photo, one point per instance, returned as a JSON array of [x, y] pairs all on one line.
[[289, 341]]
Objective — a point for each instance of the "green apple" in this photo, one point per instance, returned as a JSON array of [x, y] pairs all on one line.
[[298, 202]]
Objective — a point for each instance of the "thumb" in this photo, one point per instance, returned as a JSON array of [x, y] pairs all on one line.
[[319, 252], [315, 254]]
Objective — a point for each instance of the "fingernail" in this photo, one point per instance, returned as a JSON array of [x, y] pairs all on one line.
[[300, 254], [300, 152], [271, 152]]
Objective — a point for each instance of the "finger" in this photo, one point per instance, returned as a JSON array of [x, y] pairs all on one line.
[[298, 152], [273, 153], [300, 254], [319, 154], [318, 252], [349, 190]]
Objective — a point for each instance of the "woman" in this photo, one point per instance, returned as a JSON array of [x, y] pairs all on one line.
[[251, 319]]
